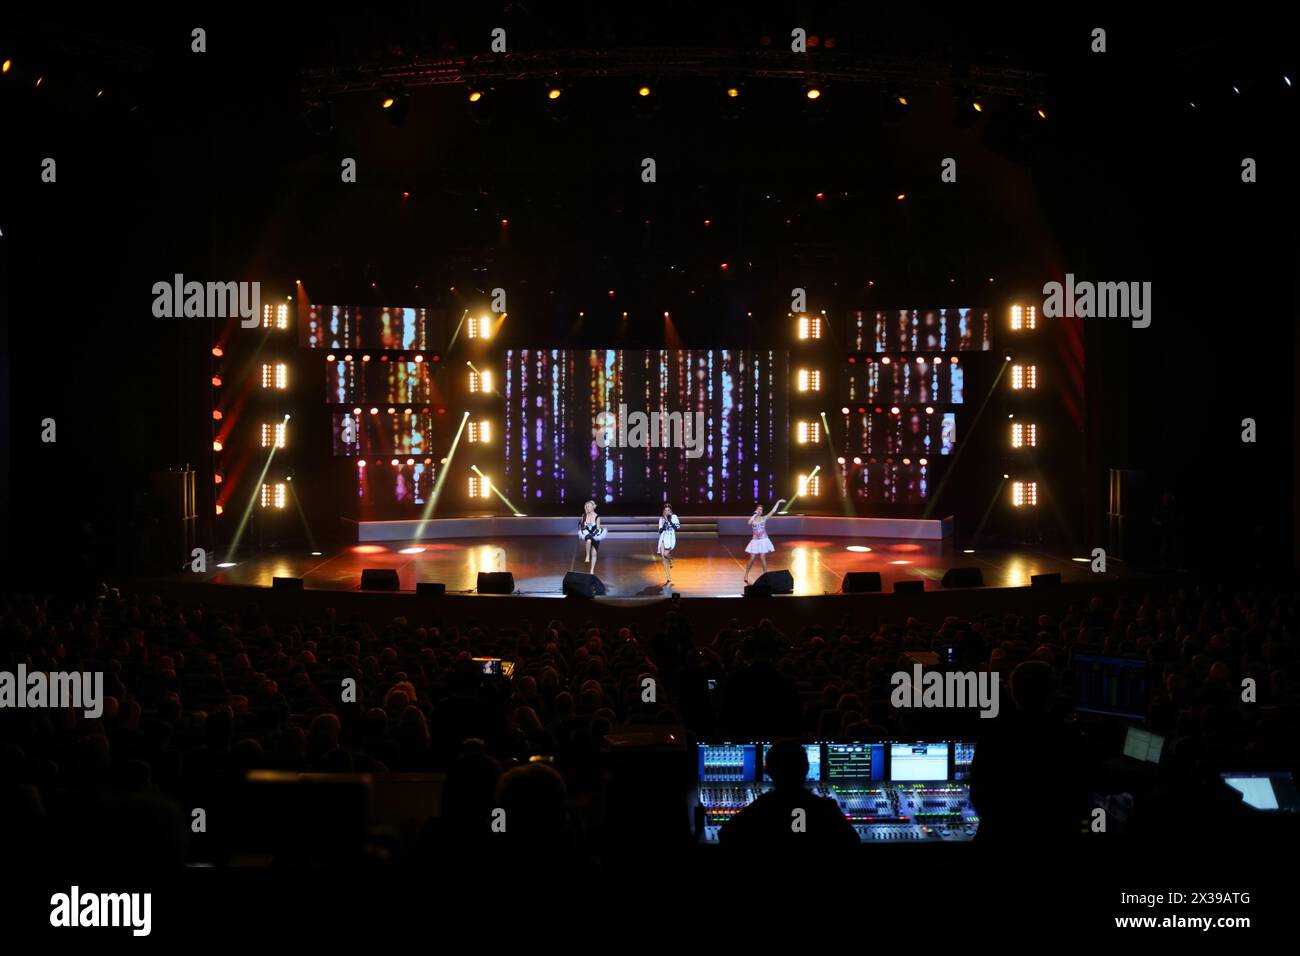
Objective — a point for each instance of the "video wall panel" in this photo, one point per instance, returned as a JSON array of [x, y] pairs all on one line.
[[694, 427]]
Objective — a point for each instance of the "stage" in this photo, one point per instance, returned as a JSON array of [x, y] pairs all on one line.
[[712, 567]]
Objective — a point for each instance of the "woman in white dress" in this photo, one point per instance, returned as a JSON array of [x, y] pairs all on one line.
[[590, 532], [760, 545], [669, 525]]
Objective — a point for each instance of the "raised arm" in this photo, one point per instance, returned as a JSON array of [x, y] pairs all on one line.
[[778, 504]]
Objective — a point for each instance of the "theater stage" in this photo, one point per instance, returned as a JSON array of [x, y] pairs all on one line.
[[703, 567]]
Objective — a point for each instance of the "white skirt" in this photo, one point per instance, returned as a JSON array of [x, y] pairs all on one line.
[[667, 540], [760, 546]]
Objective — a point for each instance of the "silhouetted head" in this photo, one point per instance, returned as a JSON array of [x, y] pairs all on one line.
[[787, 764]]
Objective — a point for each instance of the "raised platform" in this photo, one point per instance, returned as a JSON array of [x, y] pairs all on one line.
[[506, 527]]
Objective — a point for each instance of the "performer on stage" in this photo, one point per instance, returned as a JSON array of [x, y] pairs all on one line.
[[669, 525], [590, 531], [760, 546]]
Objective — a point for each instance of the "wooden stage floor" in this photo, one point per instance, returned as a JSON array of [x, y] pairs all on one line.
[[708, 567]]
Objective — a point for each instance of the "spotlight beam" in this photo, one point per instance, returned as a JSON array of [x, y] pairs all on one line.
[[493, 487], [442, 478], [248, 510], [786, 509], [988, 511]]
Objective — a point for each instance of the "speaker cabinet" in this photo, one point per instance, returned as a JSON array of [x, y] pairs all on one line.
[[379, 579], [496, 582], [781, 582], [579, 584], [286, 584], [963, 578], [909, 587], [860, 582]]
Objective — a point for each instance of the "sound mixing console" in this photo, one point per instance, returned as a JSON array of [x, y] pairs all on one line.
[[891, 791]]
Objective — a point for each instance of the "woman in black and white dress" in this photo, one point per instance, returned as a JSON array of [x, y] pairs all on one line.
[[669, 525], [590, 532]]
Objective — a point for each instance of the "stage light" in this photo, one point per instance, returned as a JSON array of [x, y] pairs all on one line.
[[275, 375], [929, 409], [1042, 113], [419, 358], [808, 432], [330, 358], [839, 460], [273, 495], [907, 461], [480, 328], [317, 554], [374, 411], [920, 360], [733, 92], [977, 106], [361, 463], [273, 433], [217, 445], [1024, 494], [394, 105], [810, 380], [968, 551], [480, 381], [844, 410], [553, 93], [365, 358], [1024, 318], [810, 327], [858, 548], [923, 461], [857, 460], [479, 432], [1024, 435], [8, 64], [893, 410], [901, 196], [480, 487], [216, 381], [885, 360], [643, 91], [810, 485], [813, 93], [277, 318], [475, 96], [393, 462], [392, 411], [217, 351], [216, 415], [1024, 377]]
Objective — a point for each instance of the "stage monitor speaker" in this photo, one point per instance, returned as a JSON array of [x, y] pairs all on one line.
[[427, 588], [379, 579], [286, 584], [963, 578], [1039, 581], [860, 582], [781, 582], [758, 590], [909, 587], [580, 584], [496, 582]]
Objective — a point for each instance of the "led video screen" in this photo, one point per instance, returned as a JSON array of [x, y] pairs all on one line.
[[937, 380], [404, 382], [402, 432], [921, 330], [693, 427], [386, 488], [367, 327], [888, 481], [911, 431]]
